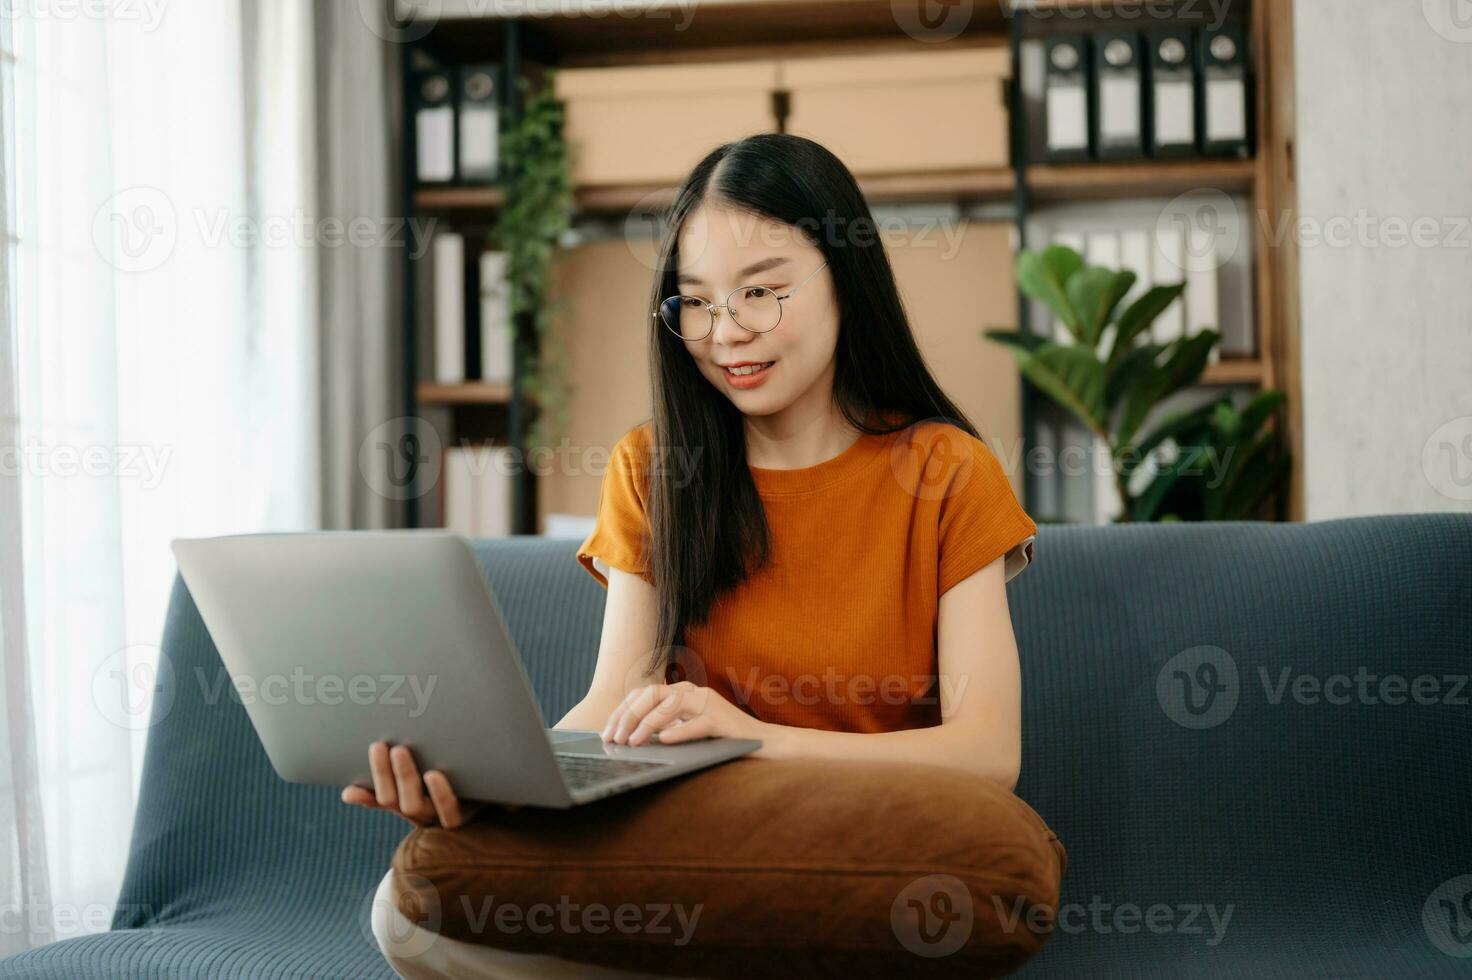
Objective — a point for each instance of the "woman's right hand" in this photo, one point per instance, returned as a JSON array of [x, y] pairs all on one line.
[[398, 788]]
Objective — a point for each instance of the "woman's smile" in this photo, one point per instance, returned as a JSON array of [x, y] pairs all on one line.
[[748, 374]]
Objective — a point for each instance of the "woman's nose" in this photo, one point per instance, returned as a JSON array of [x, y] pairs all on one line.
[[726, 329]]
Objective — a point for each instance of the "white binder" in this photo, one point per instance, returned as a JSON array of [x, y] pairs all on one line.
[[449, 308]]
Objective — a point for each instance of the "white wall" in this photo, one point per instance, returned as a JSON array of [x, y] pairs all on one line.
[[1385, 194]]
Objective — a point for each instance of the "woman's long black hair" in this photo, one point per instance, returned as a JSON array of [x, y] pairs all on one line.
[[708, 528]]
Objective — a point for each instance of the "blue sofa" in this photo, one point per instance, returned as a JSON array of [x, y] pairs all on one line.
[[1225, 815]]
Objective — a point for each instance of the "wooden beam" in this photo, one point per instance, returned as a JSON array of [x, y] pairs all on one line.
[[1275, 203]]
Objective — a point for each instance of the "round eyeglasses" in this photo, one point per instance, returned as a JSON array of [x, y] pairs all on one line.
[[753, 308]]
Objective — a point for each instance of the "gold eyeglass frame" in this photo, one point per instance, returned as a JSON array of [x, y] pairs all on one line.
[[710, 308]]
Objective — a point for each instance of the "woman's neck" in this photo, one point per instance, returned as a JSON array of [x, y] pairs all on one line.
[[778, 442]]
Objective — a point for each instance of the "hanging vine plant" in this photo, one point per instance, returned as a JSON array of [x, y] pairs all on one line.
[[537, 211]]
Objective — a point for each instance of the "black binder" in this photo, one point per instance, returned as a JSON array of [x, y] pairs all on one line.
[[1119, 95], [478, 124], [1066, 99], [1226, 93], [433, 105], [1173, 98]]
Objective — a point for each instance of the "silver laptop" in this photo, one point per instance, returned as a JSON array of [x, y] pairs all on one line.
[[336, 639]]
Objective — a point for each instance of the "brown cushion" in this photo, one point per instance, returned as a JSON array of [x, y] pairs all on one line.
[[777, 868]]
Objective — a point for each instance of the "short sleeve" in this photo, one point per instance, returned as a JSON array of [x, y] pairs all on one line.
[[980, 516], [620, 535]]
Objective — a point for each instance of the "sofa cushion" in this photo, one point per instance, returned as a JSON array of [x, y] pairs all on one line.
[[778, 868]]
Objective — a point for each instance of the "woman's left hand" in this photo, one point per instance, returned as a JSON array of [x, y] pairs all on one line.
[[678, 713]]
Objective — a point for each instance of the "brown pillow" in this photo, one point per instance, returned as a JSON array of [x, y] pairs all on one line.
[[771, 868]]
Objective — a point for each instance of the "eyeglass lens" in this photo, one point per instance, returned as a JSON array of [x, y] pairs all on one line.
[[755, 308]]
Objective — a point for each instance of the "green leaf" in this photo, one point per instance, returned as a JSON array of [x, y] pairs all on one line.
[[1044, 277], [1094, 293], [1026, 340], [1260, 409], [1072, 376], [1254, 484], [1242, 457], [1175, 427], [1238, 441], [1138, 316], [1147, 504], [1185, 359], [1122, 374]]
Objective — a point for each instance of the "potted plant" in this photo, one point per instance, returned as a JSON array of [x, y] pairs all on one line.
[[1214, 462], [536, 214]]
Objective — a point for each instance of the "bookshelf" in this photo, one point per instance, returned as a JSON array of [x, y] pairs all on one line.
[[1266, 180], [736, 30]]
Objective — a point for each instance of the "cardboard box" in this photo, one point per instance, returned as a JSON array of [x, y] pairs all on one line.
[[893, 113], [652, 123]]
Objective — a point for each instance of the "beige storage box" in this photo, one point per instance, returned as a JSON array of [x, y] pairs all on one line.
[[896, 113], [652, 123]]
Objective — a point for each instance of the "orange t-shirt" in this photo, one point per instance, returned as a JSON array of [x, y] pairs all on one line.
[[838, 630]]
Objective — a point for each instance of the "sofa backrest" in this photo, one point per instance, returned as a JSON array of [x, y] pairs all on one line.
[[1166, 781], [1206, 721]]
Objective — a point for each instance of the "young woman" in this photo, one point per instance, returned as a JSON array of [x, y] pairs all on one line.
[[808, 542]]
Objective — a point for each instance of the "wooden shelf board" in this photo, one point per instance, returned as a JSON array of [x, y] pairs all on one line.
[[1148, 178], [982, 184], [666, 30], [483, 198], [992, 183], [1234, 371], [470, 393]]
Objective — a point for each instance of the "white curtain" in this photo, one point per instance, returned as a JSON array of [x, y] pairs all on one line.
[[158, 344]]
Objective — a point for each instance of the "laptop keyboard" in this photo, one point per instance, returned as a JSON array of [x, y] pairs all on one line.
[[582, 771]]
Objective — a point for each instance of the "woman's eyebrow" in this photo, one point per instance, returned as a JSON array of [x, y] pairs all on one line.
[[684, 279]]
